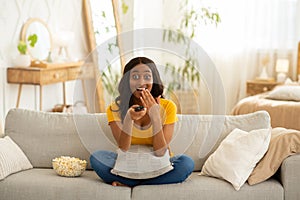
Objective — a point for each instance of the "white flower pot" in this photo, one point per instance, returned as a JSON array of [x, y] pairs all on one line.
[[22, 60]]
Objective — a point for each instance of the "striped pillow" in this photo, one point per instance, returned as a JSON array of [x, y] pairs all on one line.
[[12, 158]]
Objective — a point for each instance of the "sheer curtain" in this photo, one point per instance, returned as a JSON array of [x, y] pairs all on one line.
[[249, 31]]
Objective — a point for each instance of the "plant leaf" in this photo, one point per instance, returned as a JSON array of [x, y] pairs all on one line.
[[32, 39]]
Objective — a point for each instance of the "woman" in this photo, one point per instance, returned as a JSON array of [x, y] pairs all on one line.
[[140, 115]]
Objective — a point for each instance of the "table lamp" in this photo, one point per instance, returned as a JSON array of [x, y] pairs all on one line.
[[282, 67]]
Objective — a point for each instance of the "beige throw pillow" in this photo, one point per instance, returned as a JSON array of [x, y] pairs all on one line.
[[284, 143], [12, 158], [237, 156]]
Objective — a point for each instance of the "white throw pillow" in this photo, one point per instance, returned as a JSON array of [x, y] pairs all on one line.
[[12, 158], [285, 92], [237, 156], [141, 163]]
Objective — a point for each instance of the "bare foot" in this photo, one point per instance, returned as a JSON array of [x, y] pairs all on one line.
[[116, 183]]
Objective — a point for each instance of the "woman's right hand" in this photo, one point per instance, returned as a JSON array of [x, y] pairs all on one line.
[[136, 115]]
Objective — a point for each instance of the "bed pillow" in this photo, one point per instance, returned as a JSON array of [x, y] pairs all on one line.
[[284, 143], [12, 158], [237, 156], [285, 92]]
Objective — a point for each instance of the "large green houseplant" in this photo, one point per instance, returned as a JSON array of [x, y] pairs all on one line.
[[183, 88], [186, 73]]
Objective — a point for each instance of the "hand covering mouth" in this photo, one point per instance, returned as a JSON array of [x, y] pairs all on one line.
[[140, 88]]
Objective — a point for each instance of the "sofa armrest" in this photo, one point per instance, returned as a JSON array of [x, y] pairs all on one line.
[[290, 177]]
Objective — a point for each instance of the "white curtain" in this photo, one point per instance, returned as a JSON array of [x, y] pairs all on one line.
[[250, 30]]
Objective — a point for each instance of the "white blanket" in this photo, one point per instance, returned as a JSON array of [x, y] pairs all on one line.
[[141, 163]]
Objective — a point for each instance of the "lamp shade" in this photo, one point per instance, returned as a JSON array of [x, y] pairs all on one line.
[[282, 65]]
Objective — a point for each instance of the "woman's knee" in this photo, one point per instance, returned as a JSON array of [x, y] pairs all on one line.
[[95, 158], [102, 159], [189, 163], [185, 163]]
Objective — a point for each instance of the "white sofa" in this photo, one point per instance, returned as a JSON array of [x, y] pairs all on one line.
[[43, 136]]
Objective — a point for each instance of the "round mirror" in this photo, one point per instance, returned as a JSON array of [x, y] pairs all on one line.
[[36, 32]]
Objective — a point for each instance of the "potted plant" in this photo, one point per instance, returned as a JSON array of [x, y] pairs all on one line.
[[24, 59], [183, 88], [184, 34]]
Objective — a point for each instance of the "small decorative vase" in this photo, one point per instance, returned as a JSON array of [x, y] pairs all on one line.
[[264, 74], [22, 60]]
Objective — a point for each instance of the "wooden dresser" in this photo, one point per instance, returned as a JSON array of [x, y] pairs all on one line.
[[256, 87], [45, 76]]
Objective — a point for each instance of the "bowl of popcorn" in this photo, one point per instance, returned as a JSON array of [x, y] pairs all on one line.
[[68, 166]]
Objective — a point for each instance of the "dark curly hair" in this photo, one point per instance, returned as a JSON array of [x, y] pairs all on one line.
[[125, 99]]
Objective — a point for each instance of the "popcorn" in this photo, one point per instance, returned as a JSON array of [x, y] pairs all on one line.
[[68, 166]]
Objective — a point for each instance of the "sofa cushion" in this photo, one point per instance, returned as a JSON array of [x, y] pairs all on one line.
[[237, 156], [43, 135], [208, 188], [37, 184], [12, 158], [199, 135]]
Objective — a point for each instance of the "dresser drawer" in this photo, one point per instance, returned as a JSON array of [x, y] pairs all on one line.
[[15, 75], [53, 76]]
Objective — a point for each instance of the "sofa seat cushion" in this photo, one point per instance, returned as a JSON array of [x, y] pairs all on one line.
[[203, 188], [37, 184]]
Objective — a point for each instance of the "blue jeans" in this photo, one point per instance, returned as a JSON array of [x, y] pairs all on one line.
[[103, 161]]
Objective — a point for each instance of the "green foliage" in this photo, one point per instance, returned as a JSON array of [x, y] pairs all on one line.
[[124, 7], [186, 31], [32, 39], [111, 80], [186, 72], [22, 46]]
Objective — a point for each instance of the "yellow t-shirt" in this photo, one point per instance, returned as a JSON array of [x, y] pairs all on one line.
[[167, 113]]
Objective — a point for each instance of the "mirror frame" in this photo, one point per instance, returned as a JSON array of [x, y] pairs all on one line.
[[25, 28], [91, 43], [298, 62]]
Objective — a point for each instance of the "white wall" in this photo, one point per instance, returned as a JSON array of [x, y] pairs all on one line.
[[59, 15]]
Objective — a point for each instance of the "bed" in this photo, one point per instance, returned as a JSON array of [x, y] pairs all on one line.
[[284, 113]]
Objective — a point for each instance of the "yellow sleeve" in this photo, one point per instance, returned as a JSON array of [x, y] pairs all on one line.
[[112, 113], [170, 111]]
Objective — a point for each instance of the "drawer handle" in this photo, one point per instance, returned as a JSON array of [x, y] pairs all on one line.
[[265, 89], [56, 75]]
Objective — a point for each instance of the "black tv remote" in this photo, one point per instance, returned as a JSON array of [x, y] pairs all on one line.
[[139, 108]]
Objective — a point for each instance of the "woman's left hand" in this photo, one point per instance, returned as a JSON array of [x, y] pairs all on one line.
[[148, 100]]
